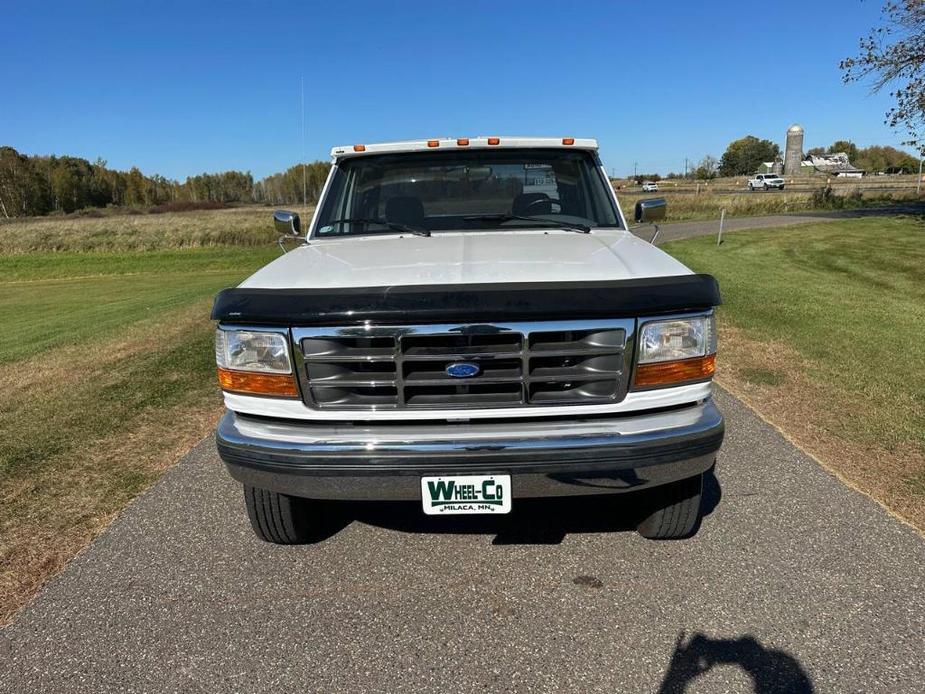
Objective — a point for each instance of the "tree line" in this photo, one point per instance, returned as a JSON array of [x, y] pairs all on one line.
[[37, 185]]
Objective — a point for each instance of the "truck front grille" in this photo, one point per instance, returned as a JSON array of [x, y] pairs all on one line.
[[514, 365]]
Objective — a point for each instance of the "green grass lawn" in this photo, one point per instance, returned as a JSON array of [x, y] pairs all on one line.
[[53, 299], [120, 333], [106, 373], [848, 299]]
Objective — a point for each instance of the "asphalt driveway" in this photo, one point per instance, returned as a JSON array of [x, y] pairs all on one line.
[[795, 583]]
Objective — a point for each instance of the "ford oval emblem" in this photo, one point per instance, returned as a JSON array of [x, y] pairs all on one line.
[[462, 369]]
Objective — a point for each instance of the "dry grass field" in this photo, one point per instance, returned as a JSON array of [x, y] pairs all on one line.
[[135, 230], [690, 200], [124, 230], [686, 205]]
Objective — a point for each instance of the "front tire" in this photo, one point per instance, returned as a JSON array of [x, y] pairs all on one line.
[[675, 511], [280, 518]]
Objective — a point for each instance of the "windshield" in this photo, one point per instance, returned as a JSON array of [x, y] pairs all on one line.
[[466, 190]]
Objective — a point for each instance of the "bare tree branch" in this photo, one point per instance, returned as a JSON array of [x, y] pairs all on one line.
[[895, 54]]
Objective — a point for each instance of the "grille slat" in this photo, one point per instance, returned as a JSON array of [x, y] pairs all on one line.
[[462, 356], [519, 364], [566, 378], [351, 372], [576, 352], [449, 381], [414, 371]]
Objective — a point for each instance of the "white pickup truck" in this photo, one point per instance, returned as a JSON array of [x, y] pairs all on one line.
[[766, 182], [467, 323]]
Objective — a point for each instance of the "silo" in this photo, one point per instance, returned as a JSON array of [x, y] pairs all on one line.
[[793, 152]]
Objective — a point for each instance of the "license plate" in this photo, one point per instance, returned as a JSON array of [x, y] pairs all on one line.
[[459, 494]]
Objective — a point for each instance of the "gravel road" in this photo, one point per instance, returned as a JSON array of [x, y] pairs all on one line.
[[795, 583]]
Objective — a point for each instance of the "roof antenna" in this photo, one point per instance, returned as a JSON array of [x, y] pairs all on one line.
[[304, 186]]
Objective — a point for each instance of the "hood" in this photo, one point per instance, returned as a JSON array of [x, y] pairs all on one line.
[[466, 258]]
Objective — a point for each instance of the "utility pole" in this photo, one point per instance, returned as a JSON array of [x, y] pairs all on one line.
[[634, 170], [685, 167]]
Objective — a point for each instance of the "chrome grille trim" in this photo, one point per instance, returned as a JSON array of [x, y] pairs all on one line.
[[522, 364]]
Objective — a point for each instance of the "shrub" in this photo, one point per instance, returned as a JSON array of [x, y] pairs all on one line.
[[824, 198]]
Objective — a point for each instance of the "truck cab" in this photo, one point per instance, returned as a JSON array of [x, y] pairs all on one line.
[[466, 323]]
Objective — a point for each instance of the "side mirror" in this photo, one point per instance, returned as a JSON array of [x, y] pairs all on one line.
[[651, 210], [287, 223]]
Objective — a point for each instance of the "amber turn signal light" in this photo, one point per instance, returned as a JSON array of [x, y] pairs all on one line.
[[280, 385], [670, 372]]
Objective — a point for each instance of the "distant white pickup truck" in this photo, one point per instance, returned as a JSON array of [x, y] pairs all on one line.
[[468, 323], [766, 182]]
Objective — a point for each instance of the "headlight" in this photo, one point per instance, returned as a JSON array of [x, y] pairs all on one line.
[[676, 351], [669, 340], [255, 362], [246, 350]]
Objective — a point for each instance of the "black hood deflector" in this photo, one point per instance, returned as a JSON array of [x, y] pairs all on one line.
[[467, 303]]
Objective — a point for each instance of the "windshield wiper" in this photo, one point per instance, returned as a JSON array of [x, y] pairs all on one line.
[[394, 226], [503, 217]]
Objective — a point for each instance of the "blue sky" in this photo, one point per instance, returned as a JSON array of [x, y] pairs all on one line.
[[181, 88]]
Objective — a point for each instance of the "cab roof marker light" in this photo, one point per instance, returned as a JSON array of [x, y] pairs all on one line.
[[419, 145], [433, 143], [462, 142]]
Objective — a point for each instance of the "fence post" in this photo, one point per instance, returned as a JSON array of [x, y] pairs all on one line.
[[722, 221]]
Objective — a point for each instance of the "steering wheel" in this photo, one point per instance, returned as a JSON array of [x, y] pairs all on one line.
[[543, 201]]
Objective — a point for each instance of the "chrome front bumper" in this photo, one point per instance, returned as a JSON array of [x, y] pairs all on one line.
[[559, 457]]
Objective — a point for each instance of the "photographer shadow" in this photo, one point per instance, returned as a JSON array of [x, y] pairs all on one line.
[[772, 671]]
